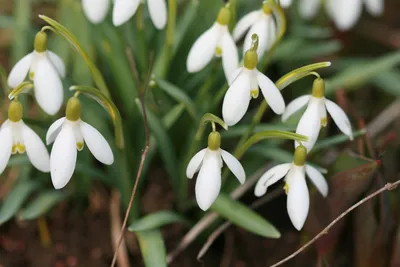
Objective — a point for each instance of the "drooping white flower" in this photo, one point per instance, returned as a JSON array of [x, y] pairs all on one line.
[[245, 84], [260, 22], [69, 135], [298, 199], [344, 13], [16, 137], [216, 41], [125, 9], [95, 10], [208, 162], [45, 70], [315, 115], [285, 3]]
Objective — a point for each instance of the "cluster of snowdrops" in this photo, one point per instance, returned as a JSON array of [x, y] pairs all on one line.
[[69, 134]]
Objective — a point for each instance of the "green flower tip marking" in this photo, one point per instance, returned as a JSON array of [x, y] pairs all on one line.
[[74, 109], [300, 155], [40, 43], [15, 111], [224, 15], [214, 141], [318, 89]]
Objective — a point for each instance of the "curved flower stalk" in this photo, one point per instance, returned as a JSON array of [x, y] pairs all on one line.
[[16, 137], [344, 13], [298, 199], [244, 84], [208, 162], [216, 41], [260, 22], [45, 70], [69, 135], [96, 11], [315, 115]]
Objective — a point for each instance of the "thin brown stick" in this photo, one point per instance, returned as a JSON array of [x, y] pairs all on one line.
[[387, 187], [144, 153], [256, 204]]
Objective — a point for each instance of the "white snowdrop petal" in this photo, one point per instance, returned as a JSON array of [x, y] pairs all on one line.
[[123, 10], [95, 10], [245, 23], [285, 3], [272, 176], [203, 50], [234, 75], [208, 182], [230, 57], [340, 118], [158, 13], [271, 93], [317, 179], [234, 165], [48, 87], [97, 144], [310, 124], [375, 7], [35, 149], [195, 163], [54, 130], [19, 71], [298, 199], [5, 146], [295, 106], [237, 99], [57, 62], [63, 157], [345, 13], [309, 8]]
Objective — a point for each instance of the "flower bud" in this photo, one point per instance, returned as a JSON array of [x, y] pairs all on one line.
[[15, 111], [74, 109], [40, 43], [300, 155], [224, 16], [214, 141], [318, 89]]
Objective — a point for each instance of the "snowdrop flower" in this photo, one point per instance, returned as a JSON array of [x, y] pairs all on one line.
[[208, 162], [45, 69], [260, 22], [16, 137], [215, 41], [344, 13], [95, 10], [298, 199], [69, 134], [285, 3], [315, 115], [244, 86]]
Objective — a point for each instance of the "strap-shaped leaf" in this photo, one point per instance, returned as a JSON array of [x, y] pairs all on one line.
[[155, 220], [108, 105], [64, 32], [153, 248], [42, 204]]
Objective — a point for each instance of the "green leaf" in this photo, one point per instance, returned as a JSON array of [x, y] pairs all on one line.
[[389, 82], [109, 106], [42, 204], [155, 220], [153, 248], [335, 140], [21, 29], [15, 199], [242, 216], [179, 95], [64, 32]]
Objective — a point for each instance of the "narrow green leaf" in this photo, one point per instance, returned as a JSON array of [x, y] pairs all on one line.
[[64, 32], [389, 82], [42, 204], [242, 216], [299, 73], [155, 220], [173, 115], [179, 95], [109, 106], [15, 199], [21, 29], [335, 140], [153, 248]]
